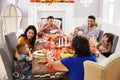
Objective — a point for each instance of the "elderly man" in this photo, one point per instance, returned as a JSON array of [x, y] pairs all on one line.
[[49, 25], [89, 30]]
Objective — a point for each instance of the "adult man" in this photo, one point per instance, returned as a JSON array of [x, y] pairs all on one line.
[[49, 25], [89, 30]]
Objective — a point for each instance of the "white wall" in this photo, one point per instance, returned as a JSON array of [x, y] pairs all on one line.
[[81, 11], [58, 10], [2, 5], [24, 6], [117, 13]]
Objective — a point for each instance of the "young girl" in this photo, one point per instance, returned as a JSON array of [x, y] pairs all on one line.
[[105, 45], [23, 65]]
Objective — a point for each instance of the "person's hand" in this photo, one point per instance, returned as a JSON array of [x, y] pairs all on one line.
[[76, 31], [100, 48], [30, 56], [49, 57], [97, 53]]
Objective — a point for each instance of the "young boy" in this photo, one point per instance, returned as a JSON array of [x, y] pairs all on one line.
[[23, 63], [24, 52]]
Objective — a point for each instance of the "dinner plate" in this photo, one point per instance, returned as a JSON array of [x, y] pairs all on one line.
[[41, 41], [53, 31], [39, 54]]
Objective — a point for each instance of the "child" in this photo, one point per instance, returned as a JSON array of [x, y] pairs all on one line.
[[24, 52], [105, 45], [40, 35], [23, 63]]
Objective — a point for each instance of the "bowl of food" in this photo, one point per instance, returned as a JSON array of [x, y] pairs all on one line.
[[67, 53], [39, 54], [42, 61]]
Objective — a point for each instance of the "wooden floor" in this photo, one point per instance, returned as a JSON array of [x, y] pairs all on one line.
[[2, 69]]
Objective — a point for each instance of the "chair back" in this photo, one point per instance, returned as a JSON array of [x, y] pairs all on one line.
[[11, 41], [100, 35], [57, 22], [115, 41], [111, 67], [107, 69], [7, 61]]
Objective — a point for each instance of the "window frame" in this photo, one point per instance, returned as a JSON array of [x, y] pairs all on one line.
[[108, 11]]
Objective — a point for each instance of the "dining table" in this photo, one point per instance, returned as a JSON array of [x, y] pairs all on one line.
[[42, 70]]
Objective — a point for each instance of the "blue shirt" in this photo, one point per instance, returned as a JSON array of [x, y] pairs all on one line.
[[23, 57], [75, 66]]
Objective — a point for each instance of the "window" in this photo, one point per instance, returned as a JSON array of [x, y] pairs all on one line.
[[108, 10]]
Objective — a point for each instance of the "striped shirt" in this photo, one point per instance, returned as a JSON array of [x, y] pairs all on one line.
[[94, 32]]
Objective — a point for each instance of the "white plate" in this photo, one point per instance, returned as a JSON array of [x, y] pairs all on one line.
[[41, 41], [36, 53], [53, 31]]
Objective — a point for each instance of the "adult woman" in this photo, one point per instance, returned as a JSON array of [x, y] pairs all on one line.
[[74, 65], [28, 37]]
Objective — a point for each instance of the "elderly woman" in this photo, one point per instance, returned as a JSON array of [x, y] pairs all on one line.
[[74, 65]]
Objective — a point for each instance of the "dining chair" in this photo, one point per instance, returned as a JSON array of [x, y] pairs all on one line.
[[115, 41], [43, 21], [7, 61], [100, 35], [107, 69], [11, 41]]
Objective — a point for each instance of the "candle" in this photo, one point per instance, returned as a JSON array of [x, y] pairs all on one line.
[[62, 41], [59, 42], [65, 41]]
